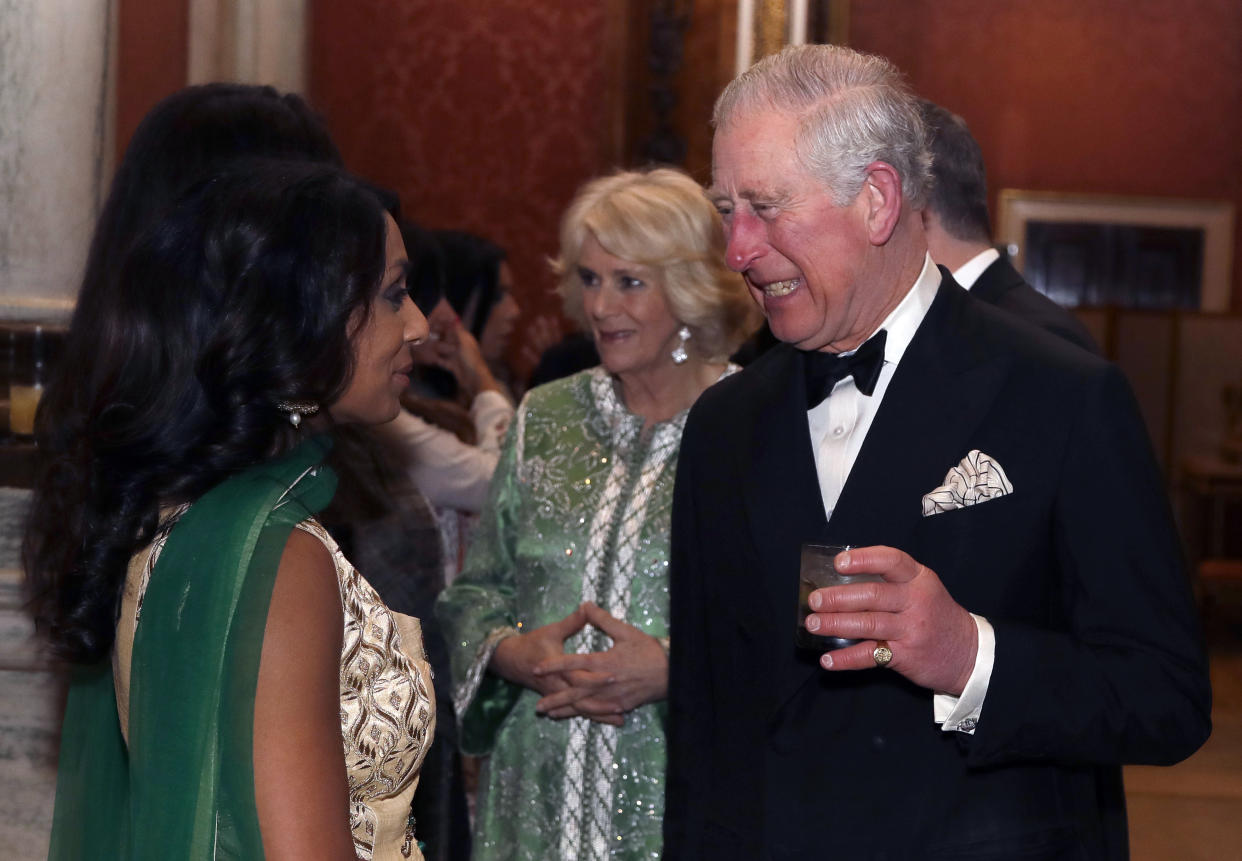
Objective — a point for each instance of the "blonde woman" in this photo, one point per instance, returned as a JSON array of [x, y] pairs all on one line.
[[558, 625]]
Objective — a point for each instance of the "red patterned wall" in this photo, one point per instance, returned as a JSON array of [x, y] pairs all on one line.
[[1138, 97], [484, 115], [487, 114], [152, 44]]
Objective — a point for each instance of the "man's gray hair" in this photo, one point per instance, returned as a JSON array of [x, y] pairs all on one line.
[[853, 109]]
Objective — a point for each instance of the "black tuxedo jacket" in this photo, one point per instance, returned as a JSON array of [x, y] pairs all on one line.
[[1099, 659], [1001, 285]]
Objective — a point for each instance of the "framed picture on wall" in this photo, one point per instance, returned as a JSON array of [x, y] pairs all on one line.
[[1128, 252]]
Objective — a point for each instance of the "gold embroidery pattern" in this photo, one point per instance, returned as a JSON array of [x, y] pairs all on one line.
[[387, 710]]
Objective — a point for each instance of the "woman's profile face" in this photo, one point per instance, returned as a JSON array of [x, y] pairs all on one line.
[[503, 317], [634, 330], [382, 359]]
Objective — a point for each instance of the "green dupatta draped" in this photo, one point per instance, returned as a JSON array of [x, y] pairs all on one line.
[[185, 787]]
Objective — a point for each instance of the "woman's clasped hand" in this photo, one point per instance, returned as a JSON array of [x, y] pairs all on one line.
[[605, 685]]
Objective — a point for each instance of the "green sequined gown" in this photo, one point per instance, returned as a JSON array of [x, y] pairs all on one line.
[[578, 511]]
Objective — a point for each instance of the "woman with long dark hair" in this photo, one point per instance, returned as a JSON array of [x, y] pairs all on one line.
[[478, 283], [224, 647]]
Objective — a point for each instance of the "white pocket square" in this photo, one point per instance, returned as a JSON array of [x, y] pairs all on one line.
[[977, 478]]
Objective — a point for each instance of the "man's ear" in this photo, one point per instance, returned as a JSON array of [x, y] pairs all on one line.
[[882, 192]]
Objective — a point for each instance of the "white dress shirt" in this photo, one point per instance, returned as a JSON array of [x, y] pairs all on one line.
[[838, 427], [968, 273]]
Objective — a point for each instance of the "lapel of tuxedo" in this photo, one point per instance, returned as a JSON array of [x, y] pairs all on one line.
[[783, 503], [940, 392]]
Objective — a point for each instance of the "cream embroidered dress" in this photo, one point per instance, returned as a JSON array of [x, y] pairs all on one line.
[[579, 511], [387, 707]]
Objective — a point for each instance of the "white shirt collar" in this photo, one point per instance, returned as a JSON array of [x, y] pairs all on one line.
[[968, 273], [839, 424], [904, 320]]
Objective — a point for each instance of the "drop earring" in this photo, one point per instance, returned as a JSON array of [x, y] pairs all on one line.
[[679, 352], [296, 410]]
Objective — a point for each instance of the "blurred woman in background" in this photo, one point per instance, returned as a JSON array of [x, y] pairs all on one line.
[[454, 445], [572, 551], [478, 286]]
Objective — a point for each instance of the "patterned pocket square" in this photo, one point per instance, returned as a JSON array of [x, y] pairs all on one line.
[[976, 479]]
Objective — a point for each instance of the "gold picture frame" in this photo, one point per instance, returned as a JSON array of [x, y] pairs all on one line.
[[1019, 209], [766, 26]]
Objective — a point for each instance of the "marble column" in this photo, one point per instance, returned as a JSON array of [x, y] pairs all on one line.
[[55, 158], [31, 700], [55, 141], [250, 42]]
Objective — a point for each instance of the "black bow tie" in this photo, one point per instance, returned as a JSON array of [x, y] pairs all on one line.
[[822, 371]]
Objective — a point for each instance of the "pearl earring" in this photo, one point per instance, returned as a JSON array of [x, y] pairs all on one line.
[[679, 352], [296, 410]]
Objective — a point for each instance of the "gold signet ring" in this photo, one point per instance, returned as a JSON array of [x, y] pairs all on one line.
[[882, 654]]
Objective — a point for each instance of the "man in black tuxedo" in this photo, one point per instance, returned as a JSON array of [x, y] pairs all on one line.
[[1033, 629], [959, 232]]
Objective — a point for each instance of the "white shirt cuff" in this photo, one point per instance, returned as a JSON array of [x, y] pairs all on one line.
[[489, 401], [961, 714], [491, 412]]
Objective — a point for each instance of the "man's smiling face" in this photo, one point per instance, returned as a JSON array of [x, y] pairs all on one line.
[[804, 258]]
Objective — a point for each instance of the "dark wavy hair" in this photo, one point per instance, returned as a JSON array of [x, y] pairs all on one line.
[[185, 138], [240, 296]]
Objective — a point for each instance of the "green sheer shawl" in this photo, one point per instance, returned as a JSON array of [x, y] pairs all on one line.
[[185, 786]]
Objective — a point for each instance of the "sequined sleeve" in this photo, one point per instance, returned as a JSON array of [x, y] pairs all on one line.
[[478, 610]]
